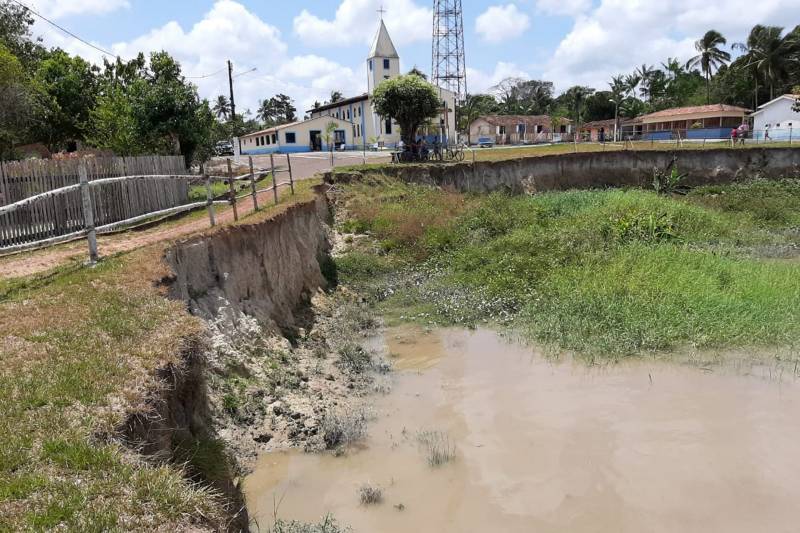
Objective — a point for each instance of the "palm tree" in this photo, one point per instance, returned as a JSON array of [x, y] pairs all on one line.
[[710, 56], [631, 83], [674, 67], [618, 91], [772, 54], [222, 108], [645, 76], [336, 96]]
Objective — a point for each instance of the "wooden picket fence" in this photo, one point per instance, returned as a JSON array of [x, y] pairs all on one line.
[[62, 214]]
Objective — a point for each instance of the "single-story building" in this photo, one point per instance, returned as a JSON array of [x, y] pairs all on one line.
[[778, 118], [598, 130], [520, 129], [713, 121], [304, 136]]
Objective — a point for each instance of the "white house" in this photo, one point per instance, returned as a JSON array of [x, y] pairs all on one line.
[[303, 136], [777, 118], [359, 125]]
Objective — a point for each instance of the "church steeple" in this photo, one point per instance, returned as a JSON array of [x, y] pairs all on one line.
[[383, 61]]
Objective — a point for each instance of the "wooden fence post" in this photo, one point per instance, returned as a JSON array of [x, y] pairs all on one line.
[[232, 193], [209, 197], [253, 183], [291, 178], [88, 212], [274, 178]]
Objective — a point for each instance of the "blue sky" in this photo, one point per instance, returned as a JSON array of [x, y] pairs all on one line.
[[306, 48]]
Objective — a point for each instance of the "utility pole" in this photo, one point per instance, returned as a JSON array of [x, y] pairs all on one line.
[[230, 82]]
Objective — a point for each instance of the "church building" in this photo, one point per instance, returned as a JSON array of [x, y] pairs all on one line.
[[357, 123]]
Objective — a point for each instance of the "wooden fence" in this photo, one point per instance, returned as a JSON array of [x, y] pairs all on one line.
[[58, 215]]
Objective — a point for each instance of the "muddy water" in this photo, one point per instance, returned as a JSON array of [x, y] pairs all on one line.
[[553, 447]]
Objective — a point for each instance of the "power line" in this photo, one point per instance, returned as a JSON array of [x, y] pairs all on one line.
[[65, 30], [220, 71], [101, 50]]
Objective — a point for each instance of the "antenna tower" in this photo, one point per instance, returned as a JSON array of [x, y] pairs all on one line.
[[448, 65]]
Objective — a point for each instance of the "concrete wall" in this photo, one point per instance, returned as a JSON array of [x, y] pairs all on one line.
[[597, 170]]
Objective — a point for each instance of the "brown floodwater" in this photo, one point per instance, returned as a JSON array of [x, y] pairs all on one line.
[[544, 446]]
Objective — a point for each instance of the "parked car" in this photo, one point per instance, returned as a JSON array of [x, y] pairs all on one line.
[[485, 142], [223, 148]]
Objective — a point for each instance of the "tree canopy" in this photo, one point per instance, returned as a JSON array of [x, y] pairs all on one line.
[[409, 100]]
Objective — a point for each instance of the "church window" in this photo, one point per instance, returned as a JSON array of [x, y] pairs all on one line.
[[291, 138], [388, 126], [370, 65], [387, 64]]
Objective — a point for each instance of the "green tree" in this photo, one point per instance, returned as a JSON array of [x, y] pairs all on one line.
[[277, 110], [222, 107], [475, 106], [772, 55], [574, 99], [409, 100], [517, 96], [113, 124], [336, 96], [710, 57], [15, 34], [69, 88], [417, 72], [16, 103], [169, 115]]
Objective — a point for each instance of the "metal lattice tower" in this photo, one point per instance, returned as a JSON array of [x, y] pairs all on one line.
[[448, 65]]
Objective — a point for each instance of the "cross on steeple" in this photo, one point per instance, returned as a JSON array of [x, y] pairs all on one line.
[[381, 11]]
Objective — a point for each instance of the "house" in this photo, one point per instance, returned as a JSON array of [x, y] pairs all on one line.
[[598, 130], [358, 124], [303, 136], [777, 117], [603, 130], [713, 121], [520, 129]]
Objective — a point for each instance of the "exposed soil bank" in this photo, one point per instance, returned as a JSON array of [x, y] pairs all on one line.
[[263, 378], [643, 445], [265, 270], [594, 170]]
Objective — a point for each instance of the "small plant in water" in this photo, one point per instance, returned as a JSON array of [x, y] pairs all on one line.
[[340, 428], [370, 495], [437, 446]]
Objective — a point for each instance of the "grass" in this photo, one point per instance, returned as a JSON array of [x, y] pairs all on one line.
[[340, 428], [199, 193], [598, 272], [437, 447], [515, 152], [327, 525], [370, 495], [79, 350]]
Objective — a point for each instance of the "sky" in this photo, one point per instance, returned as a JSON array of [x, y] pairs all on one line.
[[307, 48]]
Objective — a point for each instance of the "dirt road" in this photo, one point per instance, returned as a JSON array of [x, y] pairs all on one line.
[[304, 166]]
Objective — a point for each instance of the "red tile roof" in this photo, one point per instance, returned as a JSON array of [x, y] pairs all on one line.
[[693, 110], [513, 120]]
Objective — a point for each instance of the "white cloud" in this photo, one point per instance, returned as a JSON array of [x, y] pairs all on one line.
[[563, 7], [619, 35], [356, 21], [230, 31], [56, 9], [502, 23], [481, 82]]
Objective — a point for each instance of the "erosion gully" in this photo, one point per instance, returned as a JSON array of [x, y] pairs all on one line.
[[545, 445]]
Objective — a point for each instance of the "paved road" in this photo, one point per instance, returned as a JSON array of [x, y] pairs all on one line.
[[307, 165]]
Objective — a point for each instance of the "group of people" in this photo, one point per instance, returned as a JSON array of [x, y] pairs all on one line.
[[416, 151], [740, 134]]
